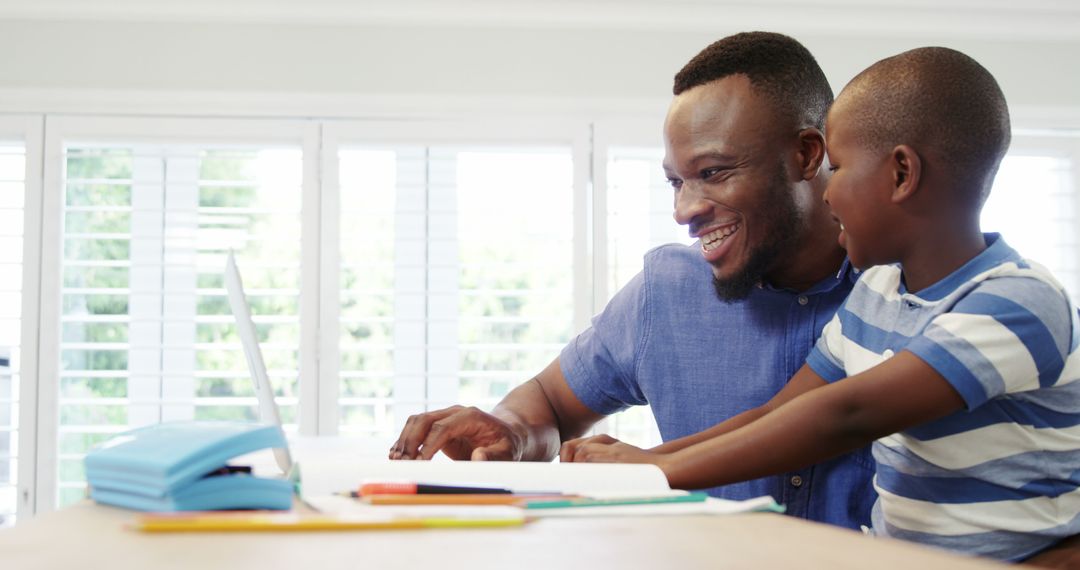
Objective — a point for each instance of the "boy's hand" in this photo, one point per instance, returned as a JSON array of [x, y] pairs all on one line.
[[604, 449]]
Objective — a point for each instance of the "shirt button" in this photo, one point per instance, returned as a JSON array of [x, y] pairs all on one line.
[[803, 300], [796, 481]]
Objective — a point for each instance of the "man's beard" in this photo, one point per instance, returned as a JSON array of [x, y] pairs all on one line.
[[784, 221]]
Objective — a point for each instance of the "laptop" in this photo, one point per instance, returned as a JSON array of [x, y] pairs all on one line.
[[268, 409], [316, 450], [331, 471]]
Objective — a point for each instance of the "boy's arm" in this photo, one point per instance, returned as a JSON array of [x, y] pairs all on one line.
[[803, 381], [900, 393], [1065, 555]]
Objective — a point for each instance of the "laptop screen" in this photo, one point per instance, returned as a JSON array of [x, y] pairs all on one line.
[[268, 409]]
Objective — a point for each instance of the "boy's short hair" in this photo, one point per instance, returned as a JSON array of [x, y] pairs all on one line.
[[939, 101], [778, 66]]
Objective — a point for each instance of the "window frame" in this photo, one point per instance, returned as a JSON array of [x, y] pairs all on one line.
[[30, 129]]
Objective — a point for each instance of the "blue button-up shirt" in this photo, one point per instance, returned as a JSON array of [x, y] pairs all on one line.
[[666, 340]]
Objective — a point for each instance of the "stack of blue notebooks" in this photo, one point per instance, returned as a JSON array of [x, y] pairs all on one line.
[[183, 466]]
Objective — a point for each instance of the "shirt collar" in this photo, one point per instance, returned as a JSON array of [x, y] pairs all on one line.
[[996, 253], [847, 273]]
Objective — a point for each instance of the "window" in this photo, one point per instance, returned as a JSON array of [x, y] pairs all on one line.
[[391, 268], [457, 279], [638, 196], [146, 331], [513, 271], [1034, 204], [372, 355], [639, 218], [20, 211], [143, 323]]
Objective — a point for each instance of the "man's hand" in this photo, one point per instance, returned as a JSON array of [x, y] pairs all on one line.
[[460, 433], [527, 425], [604, 449]]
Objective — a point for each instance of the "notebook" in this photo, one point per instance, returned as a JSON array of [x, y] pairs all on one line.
[[183, 466]]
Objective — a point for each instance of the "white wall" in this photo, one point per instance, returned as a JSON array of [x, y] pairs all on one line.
[[49, 65]]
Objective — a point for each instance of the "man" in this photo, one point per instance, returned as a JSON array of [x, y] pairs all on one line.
[[744, 154]]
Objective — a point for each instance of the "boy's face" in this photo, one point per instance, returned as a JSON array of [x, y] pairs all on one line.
[[858, 191]]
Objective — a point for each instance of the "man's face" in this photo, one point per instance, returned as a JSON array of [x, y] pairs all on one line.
[[858, 191], [725, 158]]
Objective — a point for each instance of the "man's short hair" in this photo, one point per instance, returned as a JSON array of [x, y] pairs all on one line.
[[776, 65], [940, 102]]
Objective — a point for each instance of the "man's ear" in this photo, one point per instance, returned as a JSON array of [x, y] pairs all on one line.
[[811, 152], [906, 168]]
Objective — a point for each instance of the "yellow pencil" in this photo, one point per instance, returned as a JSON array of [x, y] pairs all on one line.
[[289, 522]]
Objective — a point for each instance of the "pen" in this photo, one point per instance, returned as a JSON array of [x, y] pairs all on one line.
[[368, 489], [449, 499], [458, 499]]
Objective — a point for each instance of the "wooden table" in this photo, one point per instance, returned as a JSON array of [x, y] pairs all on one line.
[[89, 536]]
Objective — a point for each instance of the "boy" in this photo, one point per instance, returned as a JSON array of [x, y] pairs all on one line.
[[959, 359]]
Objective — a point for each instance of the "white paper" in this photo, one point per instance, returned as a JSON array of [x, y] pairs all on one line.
[[710, 506], [327, 476], [348, 507], [352, 509]]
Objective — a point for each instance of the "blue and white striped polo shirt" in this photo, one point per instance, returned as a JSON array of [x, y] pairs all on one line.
[[1002, 477]]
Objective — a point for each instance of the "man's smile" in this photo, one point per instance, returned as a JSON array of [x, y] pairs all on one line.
[[715, 238], [715, 242]]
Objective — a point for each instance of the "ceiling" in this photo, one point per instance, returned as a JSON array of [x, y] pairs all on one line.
[[996, 19]]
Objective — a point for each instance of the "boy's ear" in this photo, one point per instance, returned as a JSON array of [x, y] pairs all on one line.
[[907, 171], [811, 152]]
